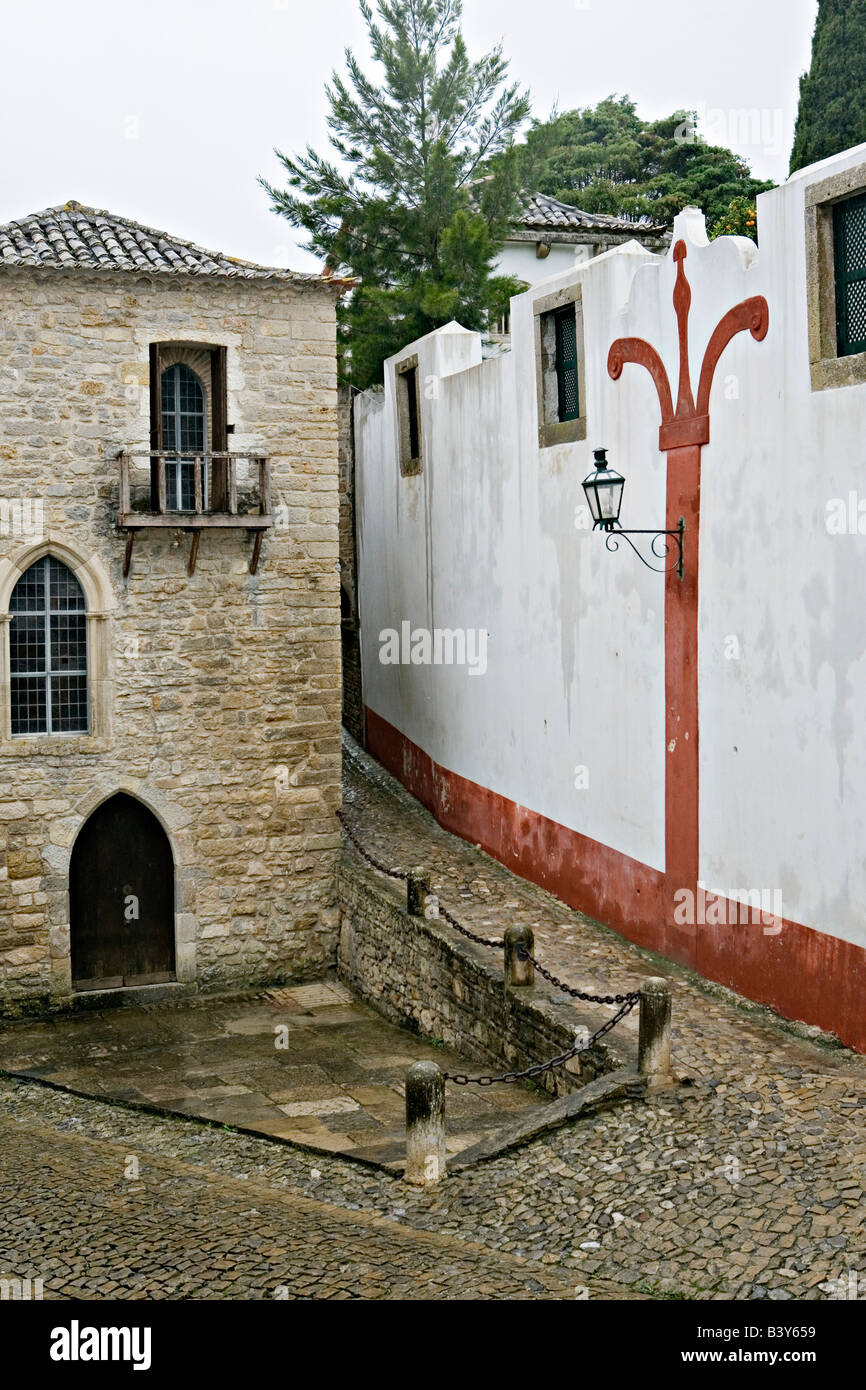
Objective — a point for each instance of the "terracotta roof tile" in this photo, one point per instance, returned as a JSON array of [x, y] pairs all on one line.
[[549, 214], [74, 237]]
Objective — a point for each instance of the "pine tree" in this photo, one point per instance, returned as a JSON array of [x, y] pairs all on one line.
[[832, 112], [426, 177]]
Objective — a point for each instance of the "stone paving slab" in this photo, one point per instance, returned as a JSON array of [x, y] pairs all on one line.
[[309, 1064]]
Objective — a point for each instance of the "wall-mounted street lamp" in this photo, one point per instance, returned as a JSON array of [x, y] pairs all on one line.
[[603, 490]]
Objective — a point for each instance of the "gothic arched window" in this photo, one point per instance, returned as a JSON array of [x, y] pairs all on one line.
[[184, 432], [48, 651]]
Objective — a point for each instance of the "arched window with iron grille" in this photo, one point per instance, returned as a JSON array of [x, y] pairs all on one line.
[[48, 651]]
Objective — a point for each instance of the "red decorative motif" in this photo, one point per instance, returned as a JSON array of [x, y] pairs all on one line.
[[690, 423], [682, 434]]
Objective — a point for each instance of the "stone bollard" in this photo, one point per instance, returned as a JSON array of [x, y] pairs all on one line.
[[420, 902], [425, 1124], [654, 1036], [518, 970]]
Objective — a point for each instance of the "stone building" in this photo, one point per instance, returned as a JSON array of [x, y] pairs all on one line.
[[169, 613]]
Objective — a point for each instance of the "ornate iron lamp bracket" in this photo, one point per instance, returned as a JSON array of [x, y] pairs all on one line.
[[660, 545]]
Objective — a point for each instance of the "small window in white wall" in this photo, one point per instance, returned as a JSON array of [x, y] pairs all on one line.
[[408, 417], [836, 278], [559, 367], [849, 244]]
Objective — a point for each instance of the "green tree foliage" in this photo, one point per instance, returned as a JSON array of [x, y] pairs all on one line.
[[832, 112], [740, 219], [606, 159], [416, 198]]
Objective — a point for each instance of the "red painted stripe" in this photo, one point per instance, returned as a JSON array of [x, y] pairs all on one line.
[[803, 973], [681, 689]]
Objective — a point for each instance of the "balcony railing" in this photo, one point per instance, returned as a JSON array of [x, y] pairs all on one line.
[[210, 491]]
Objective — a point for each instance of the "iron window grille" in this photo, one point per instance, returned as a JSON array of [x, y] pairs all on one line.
[[48, 651], [184, 431], [565, 323], [849, 240]]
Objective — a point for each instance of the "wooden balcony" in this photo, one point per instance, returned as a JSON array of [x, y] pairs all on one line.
[[230, 491]]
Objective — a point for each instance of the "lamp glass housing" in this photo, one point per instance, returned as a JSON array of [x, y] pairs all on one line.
[[603, 490]]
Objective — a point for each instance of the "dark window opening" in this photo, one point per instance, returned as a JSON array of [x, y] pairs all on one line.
[[409, 420], [48, 651], [183, 432], [565, 322], [179, 423], [410, 382], [849, 239]]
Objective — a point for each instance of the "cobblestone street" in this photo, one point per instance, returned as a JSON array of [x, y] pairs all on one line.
[[178, 1229], [746, 1183]]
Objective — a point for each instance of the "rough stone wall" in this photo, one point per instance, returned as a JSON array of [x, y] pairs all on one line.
[[220, 706], [353, 701], [419, 973]]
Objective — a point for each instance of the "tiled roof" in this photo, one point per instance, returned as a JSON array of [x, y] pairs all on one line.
[[73, 237], [549, 214]]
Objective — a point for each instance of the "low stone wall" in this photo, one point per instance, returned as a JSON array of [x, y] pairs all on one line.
[[421, 974]]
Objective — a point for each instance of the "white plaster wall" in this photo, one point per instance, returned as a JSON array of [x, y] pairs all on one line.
[[486, 536], [783, 751], [518, 258]]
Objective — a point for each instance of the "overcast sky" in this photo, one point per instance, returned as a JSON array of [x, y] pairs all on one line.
[[166, 111]]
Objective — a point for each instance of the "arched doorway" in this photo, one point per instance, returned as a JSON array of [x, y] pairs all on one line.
[[121, 898]]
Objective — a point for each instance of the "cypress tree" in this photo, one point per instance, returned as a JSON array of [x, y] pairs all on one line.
[[832, 111]]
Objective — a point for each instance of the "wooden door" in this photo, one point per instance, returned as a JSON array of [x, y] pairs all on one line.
[[121, 898]]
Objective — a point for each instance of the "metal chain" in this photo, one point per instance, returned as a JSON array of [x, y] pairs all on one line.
[[626, 1001], [365, 854], [632, 997], [461, 1079], [495, 943]]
